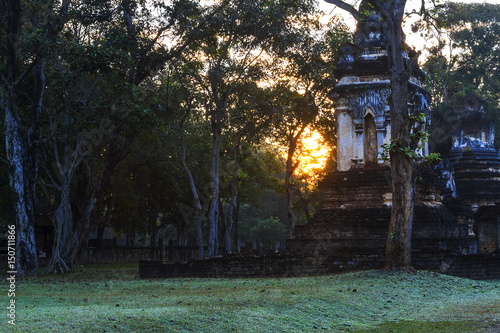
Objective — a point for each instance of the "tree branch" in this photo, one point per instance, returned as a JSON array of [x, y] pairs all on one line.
[[345, 6], [26, 71], [177, 51], [127, 19]]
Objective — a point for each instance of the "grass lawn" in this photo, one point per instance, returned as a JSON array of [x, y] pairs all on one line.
[[111, 298]]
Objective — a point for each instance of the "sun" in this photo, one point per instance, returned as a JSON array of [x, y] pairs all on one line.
[[312, 154]]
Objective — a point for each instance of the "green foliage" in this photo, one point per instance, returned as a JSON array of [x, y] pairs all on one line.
[[261, 170], [418, 138], [420, 117], [433, 158], [394, 147], [464, 61], [122, 76], [260, 189], [269, 231]]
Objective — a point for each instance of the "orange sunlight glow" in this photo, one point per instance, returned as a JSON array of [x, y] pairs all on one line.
[[313, 154]]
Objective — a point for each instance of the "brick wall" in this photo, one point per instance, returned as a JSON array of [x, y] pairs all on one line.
[[287, 265], [258, 266], [478, 266]]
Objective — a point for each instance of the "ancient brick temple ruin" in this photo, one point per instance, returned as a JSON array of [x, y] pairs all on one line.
[[457, 207]]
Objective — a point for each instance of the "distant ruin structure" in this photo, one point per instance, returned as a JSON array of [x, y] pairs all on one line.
[[456, 228], [457, 206], [474, 173]]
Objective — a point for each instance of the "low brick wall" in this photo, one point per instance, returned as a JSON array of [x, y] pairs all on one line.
[[287, 265], [477, 266], [118, 254], [257, 266]]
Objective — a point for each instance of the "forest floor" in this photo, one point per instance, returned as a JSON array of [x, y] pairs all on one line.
[[112, 298]]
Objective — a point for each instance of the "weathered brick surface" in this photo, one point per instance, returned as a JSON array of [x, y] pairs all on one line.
[[479, 266], [286, 265], [469, 266], [477, 175]]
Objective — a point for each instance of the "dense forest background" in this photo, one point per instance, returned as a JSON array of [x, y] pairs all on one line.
[[189, 121]]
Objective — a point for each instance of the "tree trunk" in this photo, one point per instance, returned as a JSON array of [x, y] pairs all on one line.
[[22, 148], [82, 230], [398, 245], [125, 5], [26, 259], [63, 217], [289, 205], [196, 198], [34, 129], [230, 223], [69, 236], [213, 213], [233, 188], [22, 176], [305, 204], [73, 233], [221, 229], [236, 242], [289, 170], [59, 262]]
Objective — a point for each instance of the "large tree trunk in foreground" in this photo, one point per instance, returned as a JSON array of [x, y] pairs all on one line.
[[21, 149], [26, 260], [398, 245]]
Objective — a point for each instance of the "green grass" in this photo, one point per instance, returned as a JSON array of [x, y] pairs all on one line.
[[105, 298]]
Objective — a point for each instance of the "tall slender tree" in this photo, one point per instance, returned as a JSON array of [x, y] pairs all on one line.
[[234, 45], [22, 133]]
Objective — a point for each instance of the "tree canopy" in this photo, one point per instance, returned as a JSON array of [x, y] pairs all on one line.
[[141, 114], [463, 60]]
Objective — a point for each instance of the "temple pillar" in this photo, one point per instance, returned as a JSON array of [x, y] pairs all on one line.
[[346, 141]]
